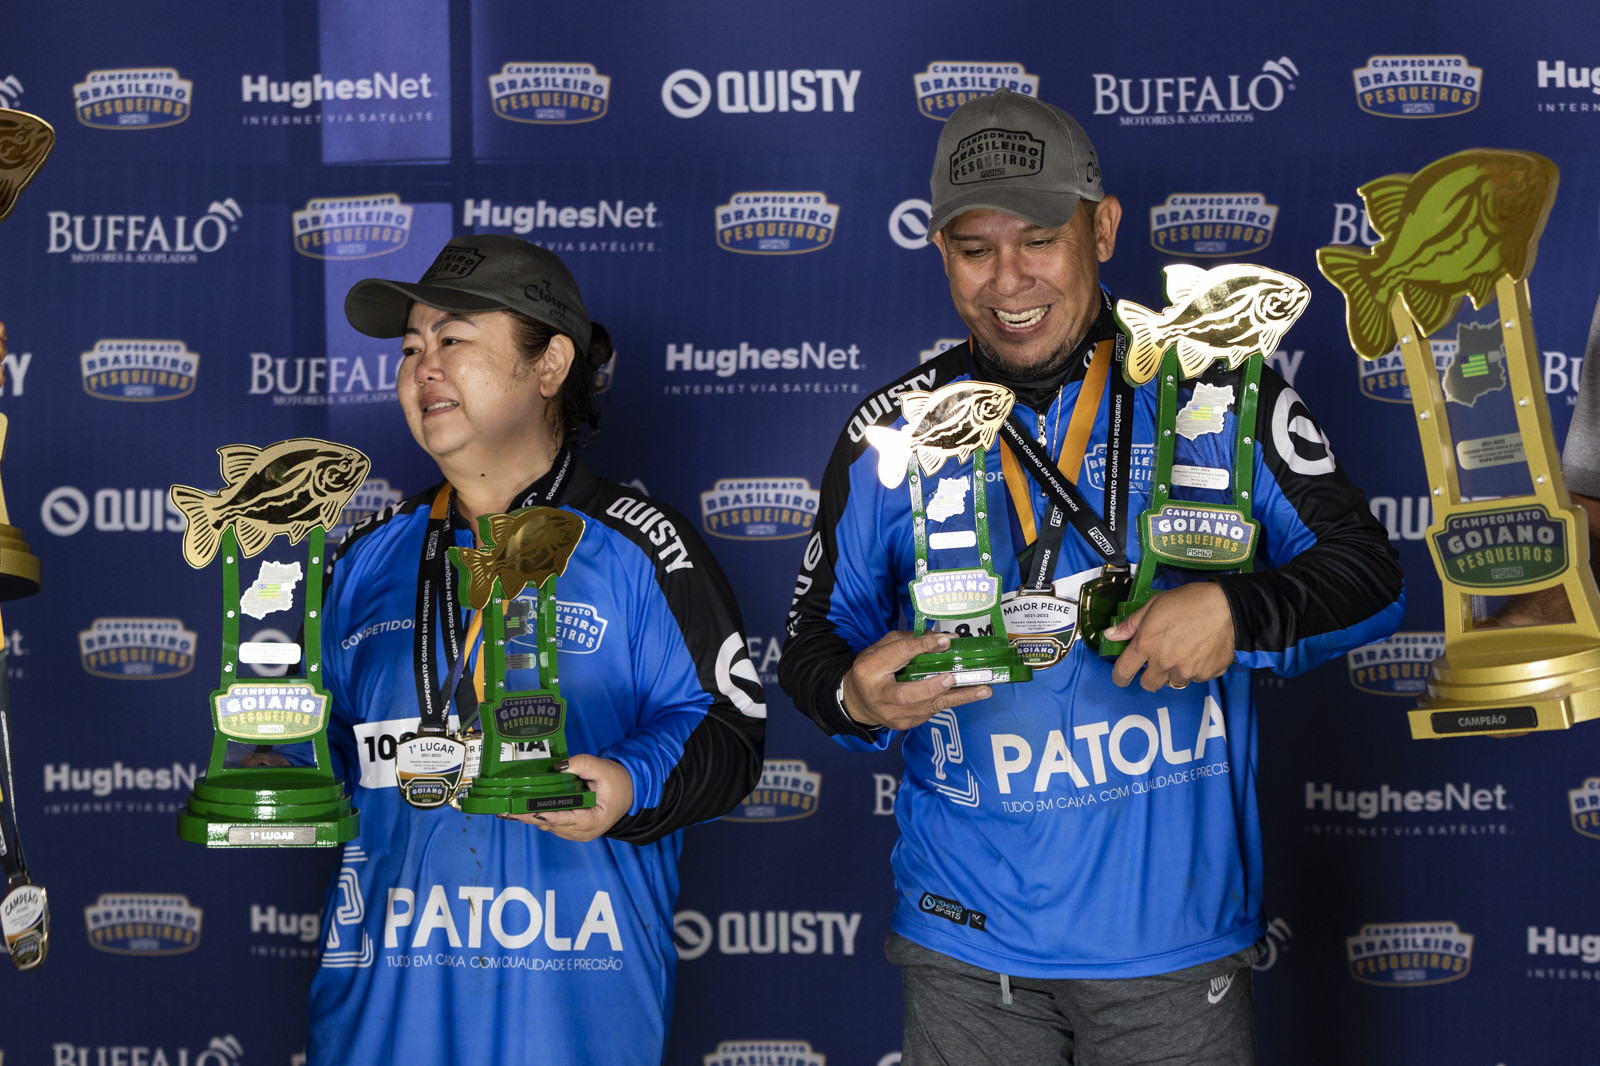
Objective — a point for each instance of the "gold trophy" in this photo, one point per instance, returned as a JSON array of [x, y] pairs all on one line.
[[25, 142], [1469, 225]]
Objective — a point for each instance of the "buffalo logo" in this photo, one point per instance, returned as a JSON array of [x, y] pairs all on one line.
[[550, 94], [144, 98], [145, 924], [1409, 954], [788, 790], [1397, 666], [943, 87], [1417, 86], [139, 371], [776, 223], [139, 649], [357, 227], [1202, 225], [761, 508]]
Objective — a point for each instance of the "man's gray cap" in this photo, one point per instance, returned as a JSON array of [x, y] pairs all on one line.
[[1009, 152], [485, 272]]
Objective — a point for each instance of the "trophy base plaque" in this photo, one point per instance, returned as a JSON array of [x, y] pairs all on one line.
[[268, 808], [973, 661], [1521, 684], [526, 794]]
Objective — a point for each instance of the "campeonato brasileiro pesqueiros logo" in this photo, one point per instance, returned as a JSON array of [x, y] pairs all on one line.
[[143, 924], [776, 223], [762, 508], [139, 371], [1418, 86], [945, 86], [357, 227], [550, 94], [788, 790], [1409, 954], [133, 98], [1222, 224]]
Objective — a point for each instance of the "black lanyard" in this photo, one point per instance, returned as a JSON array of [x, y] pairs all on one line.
[[438, 606], [1108, 536]]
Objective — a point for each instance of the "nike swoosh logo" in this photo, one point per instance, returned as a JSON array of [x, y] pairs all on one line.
[[1219, 988]]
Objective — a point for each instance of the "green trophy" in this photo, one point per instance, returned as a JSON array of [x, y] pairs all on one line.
[[1207, 348], [296, 487], [954, 421], [528, 548]]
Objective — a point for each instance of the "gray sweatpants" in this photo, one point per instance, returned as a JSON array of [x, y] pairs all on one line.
[[957, 1015]]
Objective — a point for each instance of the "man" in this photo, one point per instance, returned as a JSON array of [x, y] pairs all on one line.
[[1079, 869]]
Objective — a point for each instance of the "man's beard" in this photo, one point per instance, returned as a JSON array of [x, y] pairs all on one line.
[[1050, 368]]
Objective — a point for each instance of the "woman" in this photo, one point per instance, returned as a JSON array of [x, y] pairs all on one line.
[[453, 938]]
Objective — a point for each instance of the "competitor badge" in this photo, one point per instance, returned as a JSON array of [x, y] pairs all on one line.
[[1041, 627], [428, 769], [1199, 536], [25, 919]]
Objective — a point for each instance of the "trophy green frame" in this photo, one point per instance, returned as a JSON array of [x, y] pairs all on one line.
[[954, 421], [525, 785], [270, 803], [1469, 225], [1229, 316]]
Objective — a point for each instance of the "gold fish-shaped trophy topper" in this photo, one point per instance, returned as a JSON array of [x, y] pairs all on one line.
[[952, 420], [522, 548], [289, 487], [25, 142], [1225, 313], [1449, 230]]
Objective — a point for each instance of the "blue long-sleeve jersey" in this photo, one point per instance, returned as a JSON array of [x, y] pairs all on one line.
[[1066, 827], [452, 938]]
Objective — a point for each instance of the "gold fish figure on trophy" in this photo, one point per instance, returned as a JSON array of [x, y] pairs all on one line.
[[1225, 313], [523, 548], [25, 141], [955, 419], [289, 487], [1449, 230]]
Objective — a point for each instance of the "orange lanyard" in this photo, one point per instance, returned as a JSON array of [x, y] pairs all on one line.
[[1073, 447]]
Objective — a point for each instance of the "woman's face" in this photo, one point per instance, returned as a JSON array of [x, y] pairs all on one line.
[[469, 397]]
